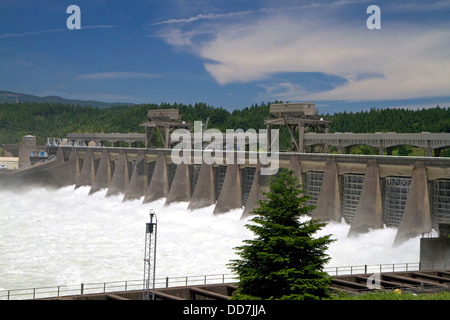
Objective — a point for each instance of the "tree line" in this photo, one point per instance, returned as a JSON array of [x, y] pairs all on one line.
[[57, 120]]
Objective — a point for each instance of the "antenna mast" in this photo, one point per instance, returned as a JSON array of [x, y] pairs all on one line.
[[150, 257]]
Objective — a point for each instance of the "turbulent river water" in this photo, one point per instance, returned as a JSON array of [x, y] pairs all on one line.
[[51, 237]]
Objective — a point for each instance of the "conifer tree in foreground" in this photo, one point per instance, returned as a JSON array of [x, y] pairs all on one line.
[[284, 260]]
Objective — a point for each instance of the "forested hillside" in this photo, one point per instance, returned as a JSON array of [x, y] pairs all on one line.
[[56, 120], [393, 120]]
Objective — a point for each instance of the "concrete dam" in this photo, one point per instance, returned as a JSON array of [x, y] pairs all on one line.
[[368, 192]]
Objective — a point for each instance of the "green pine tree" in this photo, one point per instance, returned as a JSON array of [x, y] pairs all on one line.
[[284, 260]]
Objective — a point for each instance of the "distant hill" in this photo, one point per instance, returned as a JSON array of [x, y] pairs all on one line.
[[13, 97]]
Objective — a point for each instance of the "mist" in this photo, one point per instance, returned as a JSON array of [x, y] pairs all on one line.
[[51, 237]]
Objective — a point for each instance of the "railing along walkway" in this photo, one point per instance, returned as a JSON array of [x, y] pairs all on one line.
[[130, 285]]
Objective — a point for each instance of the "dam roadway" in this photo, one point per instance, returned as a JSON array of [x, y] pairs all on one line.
[[368, 192]]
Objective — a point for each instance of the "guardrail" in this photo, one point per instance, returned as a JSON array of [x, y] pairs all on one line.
[[113, 286], [130, 285]]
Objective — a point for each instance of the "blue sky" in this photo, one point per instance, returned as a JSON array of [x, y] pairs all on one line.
[[230, 53]]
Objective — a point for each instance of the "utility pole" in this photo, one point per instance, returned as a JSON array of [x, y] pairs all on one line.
[[150, 257]]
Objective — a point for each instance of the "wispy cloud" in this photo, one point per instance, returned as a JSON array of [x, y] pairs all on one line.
[[40, 32], [403, 60], [30, 33], [201, 17], [117, 75], [102, 26]]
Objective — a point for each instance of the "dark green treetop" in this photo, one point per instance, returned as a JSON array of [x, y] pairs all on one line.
[[284, 260]]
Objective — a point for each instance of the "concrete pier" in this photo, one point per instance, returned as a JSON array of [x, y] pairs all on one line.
[[103, 176], [369, 212], [416, 217], [119, 180], [138, 182], [180, 190], [87, 174], [204, 193], [260, 184], [231, 195], [159, 185], [329, 204]]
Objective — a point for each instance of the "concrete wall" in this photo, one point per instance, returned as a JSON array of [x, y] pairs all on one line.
[[149, 174], [435, 252]]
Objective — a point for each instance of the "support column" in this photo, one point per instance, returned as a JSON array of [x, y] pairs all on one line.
[[269, 137], [159, 185], [416, 218], [231, 194], [119, 181], [103, 176], [259, 185], [75, 166], [301, 137], [369, 212], [138, 182], [28, 144], [329, 202], [166, 137], [87, 174], [204, 194], [294, 165], [381, 148], [180, 190]]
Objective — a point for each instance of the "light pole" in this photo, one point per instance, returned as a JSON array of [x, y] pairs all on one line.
[[150, 257]]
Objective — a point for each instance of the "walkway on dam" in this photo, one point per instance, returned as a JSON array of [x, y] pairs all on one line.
[[423, 281], [383, 141], [411, 277]]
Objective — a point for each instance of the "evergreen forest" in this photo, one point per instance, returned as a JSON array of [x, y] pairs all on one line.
[[56, 120]]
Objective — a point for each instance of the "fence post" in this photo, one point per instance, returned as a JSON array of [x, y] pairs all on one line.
[[167, 282], [365, 268], [82, 288]]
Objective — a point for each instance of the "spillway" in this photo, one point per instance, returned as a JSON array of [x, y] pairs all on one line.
[[64, 236]]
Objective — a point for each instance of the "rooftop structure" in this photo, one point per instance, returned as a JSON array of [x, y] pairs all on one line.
[[162, 121], [296, 116]]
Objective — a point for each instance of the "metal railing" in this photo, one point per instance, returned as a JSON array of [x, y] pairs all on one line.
[[388, 267], [130, 285], [112, 286]]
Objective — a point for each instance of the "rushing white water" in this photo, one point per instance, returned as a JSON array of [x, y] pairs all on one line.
[[51, 237]]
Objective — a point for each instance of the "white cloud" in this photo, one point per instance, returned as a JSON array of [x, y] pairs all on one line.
[[117, 75], [199, 17], [30, 33], [406, 60]]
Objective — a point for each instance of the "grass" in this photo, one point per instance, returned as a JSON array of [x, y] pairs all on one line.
[[390, 295]]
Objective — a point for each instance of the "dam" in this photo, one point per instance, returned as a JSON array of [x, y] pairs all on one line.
[[368, 192]]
